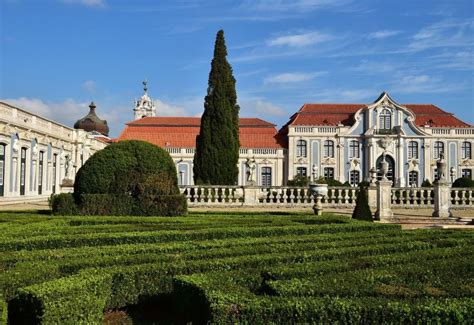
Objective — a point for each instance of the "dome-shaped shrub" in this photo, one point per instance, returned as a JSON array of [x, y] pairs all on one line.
[[135, 170], [463, 182]]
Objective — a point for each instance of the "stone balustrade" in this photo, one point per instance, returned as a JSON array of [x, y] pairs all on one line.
[[281, 196]]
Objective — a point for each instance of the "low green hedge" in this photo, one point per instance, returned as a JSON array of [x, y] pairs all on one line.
[[118, 205]]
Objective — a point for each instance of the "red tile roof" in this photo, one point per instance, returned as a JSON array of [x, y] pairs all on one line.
[[333, 114], [181, 132]]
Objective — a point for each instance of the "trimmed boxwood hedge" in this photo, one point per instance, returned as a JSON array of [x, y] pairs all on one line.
[[126, 178]]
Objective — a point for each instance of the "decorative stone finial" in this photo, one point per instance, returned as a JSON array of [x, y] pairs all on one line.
[[145, 87], [92, 106]]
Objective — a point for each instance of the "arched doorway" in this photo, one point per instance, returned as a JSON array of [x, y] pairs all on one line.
[[391, 168]]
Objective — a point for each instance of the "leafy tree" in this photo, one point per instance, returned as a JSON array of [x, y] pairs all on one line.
[[217, 146], [463, 182], [299, 180], [362, 209]]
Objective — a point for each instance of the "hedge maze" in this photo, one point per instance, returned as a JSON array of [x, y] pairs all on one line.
[[248, 268]]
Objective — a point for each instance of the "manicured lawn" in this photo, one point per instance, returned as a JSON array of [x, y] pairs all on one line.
[[234, 267]]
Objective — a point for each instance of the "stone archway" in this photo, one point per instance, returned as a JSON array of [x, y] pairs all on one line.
[[391, 168]]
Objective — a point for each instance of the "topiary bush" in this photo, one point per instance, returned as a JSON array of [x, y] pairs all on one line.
[[62, 204], [362, 209], [299, 180], [125, 174], [463, 182]]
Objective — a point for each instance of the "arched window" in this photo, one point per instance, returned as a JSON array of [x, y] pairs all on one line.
[[412, 150], [438, 148], [385, 120], [466, 150], [2, 169], [354, 177], [329, 149], [354, 149], [301, 148], [413, 178], [40, 172], [23, 171]]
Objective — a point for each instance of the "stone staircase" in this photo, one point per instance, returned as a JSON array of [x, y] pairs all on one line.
[[412, 222]]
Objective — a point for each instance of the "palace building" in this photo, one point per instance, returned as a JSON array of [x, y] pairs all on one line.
[[346, 142], [39, 156]]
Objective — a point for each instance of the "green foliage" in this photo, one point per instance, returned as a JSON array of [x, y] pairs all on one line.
[[236, 268], [62, 204], [426, 183], [121, 167], [217, 146], [463, 182], [129, 178], [335, 182], [299, 181], [321, 180], [362, 209]]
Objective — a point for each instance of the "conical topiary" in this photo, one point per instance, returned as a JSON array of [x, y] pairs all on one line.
[[362, 209]]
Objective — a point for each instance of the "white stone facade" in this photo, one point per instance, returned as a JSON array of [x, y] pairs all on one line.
[[38, 156], [411, 149]]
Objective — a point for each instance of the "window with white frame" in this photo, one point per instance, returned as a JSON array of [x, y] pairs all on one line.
[[466, 150], [329, 149], [354, 149], [385, 120], [354, 177], [301, 148], [301, 171], [266, 176], [466, 173], [412, 150], [2, 168], [329, 172], [413, 178], [438, 148]]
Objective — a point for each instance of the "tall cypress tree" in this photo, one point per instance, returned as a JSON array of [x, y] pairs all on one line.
[[217, 146]]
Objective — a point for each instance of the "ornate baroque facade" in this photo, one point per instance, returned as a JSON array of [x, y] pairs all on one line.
[[39, 156], [342, 141]]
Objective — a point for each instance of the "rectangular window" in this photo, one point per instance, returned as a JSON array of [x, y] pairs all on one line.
[[328, 149], [55, 158], [438, 149], [413, 150], [354, 177], [266, 176], [329, 172], [301, 148], [40, 172], [413, 178], [354, 149], [466, 173], [22, 171], [302, 171], [2, 168], [466, 150]]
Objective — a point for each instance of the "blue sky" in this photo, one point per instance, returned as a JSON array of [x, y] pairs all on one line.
[[58, 55]]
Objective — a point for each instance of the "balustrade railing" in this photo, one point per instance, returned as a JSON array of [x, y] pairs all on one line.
[[412, 197], [462, 197], [267, 196]]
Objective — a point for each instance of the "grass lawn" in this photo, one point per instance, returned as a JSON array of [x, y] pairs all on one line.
[[231, 267]]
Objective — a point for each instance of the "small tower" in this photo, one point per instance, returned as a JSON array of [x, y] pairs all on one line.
[[144, 107]]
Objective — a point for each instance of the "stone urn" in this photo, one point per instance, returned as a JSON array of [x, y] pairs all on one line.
[[318, 190]]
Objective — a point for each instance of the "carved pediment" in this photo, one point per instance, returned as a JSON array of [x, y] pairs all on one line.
[[329, 161], [467, 162]]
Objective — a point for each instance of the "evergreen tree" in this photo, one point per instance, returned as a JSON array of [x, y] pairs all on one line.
[[217, 146], [362, 209]]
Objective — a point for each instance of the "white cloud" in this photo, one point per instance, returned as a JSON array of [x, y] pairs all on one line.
[[446, 33], [90, 86], [413, 84], [165, 109], [300, 40], [88, 3], [252, 107], [383, 34], [344, 95], [292, 5], [291, 77], [65, 112]]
